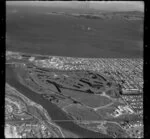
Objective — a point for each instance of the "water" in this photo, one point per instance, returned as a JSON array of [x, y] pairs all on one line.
[[54, 112], [60, 35]]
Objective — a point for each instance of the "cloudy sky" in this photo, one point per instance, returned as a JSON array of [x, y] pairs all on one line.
[[98, 5]]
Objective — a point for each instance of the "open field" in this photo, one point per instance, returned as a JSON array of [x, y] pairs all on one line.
[[82, 113], [95, 101]]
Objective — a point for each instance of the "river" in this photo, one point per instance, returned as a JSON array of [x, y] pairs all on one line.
[[54, 112]]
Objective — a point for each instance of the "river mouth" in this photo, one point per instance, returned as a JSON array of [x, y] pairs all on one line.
[[56, 114]]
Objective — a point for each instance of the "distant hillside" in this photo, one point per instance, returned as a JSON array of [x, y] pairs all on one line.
[[131, 15]]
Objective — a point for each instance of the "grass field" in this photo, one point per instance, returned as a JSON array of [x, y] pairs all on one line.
[[95, 101], [82, 113]]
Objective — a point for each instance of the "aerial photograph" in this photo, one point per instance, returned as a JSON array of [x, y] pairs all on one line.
[[74, 69]]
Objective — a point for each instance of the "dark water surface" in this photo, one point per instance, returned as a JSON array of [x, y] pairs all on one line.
[[54, 112], [31, 30]]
